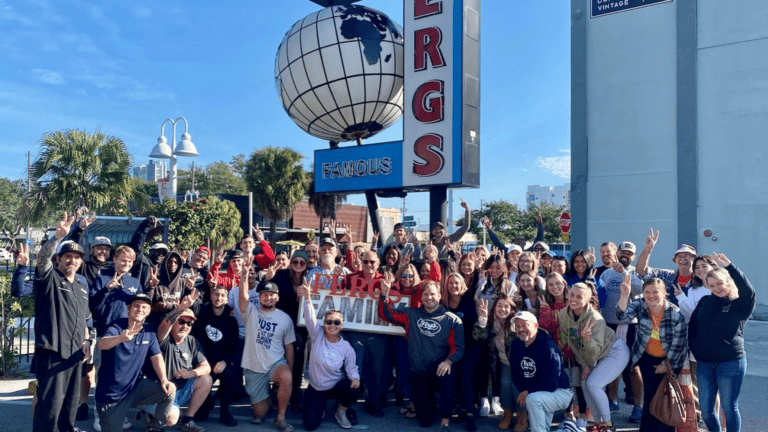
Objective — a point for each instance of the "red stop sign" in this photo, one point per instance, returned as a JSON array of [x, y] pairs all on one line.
[[565, 222]]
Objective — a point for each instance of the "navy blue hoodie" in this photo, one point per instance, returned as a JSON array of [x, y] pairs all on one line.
[[538, 367]]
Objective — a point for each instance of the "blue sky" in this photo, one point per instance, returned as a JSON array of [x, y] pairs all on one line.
[[124, 67]]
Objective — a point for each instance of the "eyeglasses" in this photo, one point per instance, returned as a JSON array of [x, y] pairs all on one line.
[[185, 323], [333, 322], [406, 276], [369, 261], [538, 250], [299, 263]]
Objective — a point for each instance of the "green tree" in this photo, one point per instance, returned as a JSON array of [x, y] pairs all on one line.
[[324, 204], [11, 196], [213, 179], [510, 221], [195, 223], [278, 182], [76, 169]]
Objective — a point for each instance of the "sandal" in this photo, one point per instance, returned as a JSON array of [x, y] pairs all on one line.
[[409, 410]]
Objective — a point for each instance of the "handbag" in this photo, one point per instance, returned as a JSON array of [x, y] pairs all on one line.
[[668, 404]]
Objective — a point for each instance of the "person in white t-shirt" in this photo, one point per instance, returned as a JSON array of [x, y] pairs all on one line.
[[268, 354]]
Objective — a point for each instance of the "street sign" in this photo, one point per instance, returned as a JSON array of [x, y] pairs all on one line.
[[566, 237], [565, 222]]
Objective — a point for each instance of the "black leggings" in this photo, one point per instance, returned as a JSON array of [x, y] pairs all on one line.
[[651, 381], [314, 401], [423, 389]]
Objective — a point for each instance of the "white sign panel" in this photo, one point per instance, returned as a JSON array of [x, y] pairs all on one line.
[[431, 92]]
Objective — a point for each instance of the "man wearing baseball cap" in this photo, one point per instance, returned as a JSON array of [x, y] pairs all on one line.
[[538, 374], [439, 236], [61, 332], [125, 346], [679, 278], [268, 353], [611, 281]]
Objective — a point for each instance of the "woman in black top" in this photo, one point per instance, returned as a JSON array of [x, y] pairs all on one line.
[[716, 335], [460, 301]]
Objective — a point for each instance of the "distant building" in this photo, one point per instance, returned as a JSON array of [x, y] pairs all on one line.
[[152, 172], [555, 195]]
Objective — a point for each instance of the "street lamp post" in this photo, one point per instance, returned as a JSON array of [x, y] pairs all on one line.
[[185, 147]]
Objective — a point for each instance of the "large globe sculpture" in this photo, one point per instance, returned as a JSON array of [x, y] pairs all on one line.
[[339, 73]]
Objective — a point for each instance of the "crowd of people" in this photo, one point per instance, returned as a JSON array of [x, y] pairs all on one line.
[[516, 331]]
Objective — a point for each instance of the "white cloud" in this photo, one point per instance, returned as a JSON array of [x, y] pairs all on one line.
[[47, 76], [557, 165], [141, 11]]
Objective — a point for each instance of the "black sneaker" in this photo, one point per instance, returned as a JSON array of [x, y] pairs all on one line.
[[227, 420], [470, 424], [82, 412], [202, 414], [352, 416], [372, 410]]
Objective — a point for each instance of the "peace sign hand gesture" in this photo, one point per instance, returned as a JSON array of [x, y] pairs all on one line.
[[650, 241], [590, 256], [190, 299], [87, 220], [271, 271], [626, 285], [190, 281], [720, 259], [405, 260], [153, 279], [22, 258], [386, 283], [128, 334], [220, 255], [543, 302], [482, 308], [115, 282], [586, 331], [305, 290], [258, 234], [62, 229]]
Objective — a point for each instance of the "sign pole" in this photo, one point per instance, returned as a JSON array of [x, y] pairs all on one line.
[[438, 206]]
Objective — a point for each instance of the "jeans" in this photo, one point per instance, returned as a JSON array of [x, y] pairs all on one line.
[[726, 378], [541, 407]]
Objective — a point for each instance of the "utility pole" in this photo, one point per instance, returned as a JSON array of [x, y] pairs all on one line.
[[481, 221], [29, 185]]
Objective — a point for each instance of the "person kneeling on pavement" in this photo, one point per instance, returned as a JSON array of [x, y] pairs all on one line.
[[126, 344], [331, 356], [185, 363], [537, 371]]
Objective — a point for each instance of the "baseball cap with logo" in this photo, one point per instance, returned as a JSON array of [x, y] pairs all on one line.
[[627, 246], [70, 246], [327, 240], [101, 241], [684, 248], [141, 297], [526, 316], [268, 287]]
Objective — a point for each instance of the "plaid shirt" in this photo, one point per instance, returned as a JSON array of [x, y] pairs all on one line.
[[673, 332]]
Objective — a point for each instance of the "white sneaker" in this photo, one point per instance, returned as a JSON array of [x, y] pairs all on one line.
[[485, 407], [127, 424], [496, 407], [96, 424]]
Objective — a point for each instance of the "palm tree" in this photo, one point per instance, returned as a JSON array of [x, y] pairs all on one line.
[[77, 170], [278, 182], [324, 204]]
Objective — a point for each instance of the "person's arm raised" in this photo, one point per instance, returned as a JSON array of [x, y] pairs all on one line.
[[645, 255]]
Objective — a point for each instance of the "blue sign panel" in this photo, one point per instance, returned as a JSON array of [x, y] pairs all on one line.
[[359, 168], [607, 7]]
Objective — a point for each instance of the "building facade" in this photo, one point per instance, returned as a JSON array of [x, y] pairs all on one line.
[[152, 172], [669, 118], [555, 195]]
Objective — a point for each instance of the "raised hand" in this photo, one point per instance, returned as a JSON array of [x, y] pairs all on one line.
[[347, 237], [586, 331], [592, 273], [650, 241], [87, 220], [405, 260], [496, 251], [271, 271], [153, 278], [386, 283], [626, 285], [190, 281], [184, 255], [543, 302], [62, 229], [220, 255], [332, 228], [720, 259], [339, 269], [305, 290], [375, 238], [482, 308], [590, 258], [488, 224], [258, 234], [539, 219], [466, 207], [132, 330], [618, 267], [22, 258], [115, 282], [190, 299]]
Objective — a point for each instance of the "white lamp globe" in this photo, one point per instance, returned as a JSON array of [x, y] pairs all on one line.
[[339, 73]]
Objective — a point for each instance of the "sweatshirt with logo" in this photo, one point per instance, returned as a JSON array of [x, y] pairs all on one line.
[[537, 367], [432, 337]]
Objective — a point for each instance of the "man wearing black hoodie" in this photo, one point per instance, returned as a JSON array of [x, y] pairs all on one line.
[[537, 371], [217, 332]]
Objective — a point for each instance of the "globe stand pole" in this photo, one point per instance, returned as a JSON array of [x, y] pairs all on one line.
[[438, 206], [373, 208]]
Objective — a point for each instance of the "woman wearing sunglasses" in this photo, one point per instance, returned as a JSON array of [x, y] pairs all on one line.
[[332, 369], [289, 276]]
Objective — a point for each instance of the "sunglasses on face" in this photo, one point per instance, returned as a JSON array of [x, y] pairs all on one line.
[[299, 263], [539, 250], [369, 262], [333, 322], [185, 323], [406, 276]]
